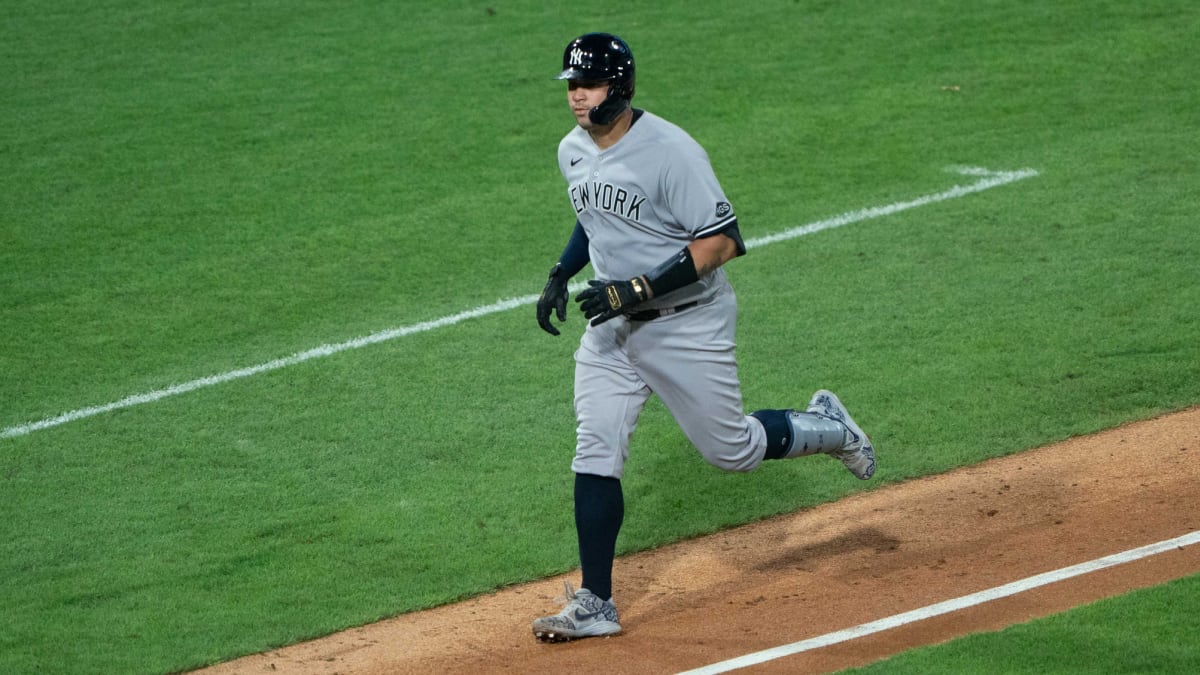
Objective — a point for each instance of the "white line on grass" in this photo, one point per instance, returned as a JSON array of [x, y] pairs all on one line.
[[946, 607], [987, 180]]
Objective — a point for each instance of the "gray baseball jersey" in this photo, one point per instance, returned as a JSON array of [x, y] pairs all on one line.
[[640, 201], [643, 199]]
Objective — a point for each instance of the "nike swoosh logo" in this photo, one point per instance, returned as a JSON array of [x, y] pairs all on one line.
[[576, 161], [584, 616]]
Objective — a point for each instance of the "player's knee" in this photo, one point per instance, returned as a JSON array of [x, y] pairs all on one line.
[[729, 459]]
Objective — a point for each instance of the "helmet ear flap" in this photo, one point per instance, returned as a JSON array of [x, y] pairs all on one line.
[[607, 111]]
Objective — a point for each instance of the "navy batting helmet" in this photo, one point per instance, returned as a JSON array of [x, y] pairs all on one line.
[[601, 57]]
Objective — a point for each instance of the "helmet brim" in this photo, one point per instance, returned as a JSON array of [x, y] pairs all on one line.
[[580, 74]]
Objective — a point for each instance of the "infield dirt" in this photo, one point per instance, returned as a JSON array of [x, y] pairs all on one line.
[[833, 567]]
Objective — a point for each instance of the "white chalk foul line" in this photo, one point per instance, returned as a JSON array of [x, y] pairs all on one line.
[[947, 606], [987, 180], [299, 357]]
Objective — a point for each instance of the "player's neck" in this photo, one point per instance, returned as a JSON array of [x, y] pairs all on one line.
[[606, 136]]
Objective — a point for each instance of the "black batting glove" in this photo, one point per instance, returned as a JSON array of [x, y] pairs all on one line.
[[603, 299], [554, 297]]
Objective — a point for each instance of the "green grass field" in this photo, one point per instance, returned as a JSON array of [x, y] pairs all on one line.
[[188, 189], [1147, 631]]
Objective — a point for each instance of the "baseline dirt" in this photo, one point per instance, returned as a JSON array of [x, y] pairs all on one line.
[[833, 567]]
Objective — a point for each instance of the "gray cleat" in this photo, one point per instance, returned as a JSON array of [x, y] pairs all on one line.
[[584, 616], [857, 453]]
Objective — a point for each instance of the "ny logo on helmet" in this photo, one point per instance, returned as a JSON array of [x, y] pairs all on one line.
[[577, 57]]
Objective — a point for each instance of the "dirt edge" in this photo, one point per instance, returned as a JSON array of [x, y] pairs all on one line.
[[835, 566]]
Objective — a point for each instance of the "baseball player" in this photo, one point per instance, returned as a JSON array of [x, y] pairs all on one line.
[[656, 226]]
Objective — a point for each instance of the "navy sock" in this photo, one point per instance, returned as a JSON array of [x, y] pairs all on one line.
[[779, 431], [599, 511]]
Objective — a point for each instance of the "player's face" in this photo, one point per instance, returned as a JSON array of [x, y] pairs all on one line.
[[582, 96]]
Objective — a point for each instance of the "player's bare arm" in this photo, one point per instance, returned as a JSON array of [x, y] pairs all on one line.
[[710, 253]]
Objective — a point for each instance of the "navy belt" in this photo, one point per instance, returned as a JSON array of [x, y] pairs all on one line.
[[652, 314]]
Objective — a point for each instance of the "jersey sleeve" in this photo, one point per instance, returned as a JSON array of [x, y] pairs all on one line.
[[694, 197]]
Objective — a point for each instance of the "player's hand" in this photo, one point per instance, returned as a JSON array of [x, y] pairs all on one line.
[[554, 297], [604, 299]]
